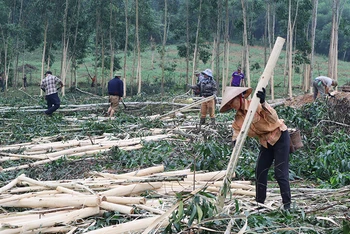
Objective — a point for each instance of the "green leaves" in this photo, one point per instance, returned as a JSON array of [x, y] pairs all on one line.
[[201, 206]]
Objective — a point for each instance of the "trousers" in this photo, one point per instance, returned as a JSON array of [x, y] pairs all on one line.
[[53, 103], [279, 154], [318, 87], [208, 106]]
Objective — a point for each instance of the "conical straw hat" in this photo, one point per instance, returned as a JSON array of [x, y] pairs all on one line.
[[231, 93]]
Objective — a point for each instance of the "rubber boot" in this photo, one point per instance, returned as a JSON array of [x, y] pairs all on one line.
[[202, 121], [212, 121]]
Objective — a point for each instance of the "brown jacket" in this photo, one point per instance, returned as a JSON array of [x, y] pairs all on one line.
[[265, 125]]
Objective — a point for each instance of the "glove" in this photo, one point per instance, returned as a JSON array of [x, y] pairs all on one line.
[[233, 143], [261, 95]]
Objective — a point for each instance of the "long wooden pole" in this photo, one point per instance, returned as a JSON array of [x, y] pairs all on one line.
[[264, 79]]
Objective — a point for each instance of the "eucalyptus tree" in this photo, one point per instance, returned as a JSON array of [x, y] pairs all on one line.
[[337, 8], [313, 36], [196, 43], [126, 10], [79, 35], [138, 69], [225, 71], [217, 40], [19, 40], [245, 41], [164, 42], [6, 30], [143, 24], [43, 29]]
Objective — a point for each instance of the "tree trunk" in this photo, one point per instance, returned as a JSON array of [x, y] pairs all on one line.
[[126, 43], [196, 43], [245, 43], [44, 49], [111, 39], [138, 70], [313, 36], [225, 72], [333, 48], [74, 61], [164, 42], [103, 78], [64, 67], [290, 49], [218, 40], [5, 45], [153, 48], [291, 27], [187, 41], [97, 30]]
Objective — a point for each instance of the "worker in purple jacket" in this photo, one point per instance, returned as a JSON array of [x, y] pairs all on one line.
[[237, 78]]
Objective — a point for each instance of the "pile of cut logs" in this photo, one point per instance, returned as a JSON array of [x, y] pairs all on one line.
[[74, 205]]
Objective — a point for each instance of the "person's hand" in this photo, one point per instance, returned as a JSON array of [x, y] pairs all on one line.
[[331, 95], [233, 143], [261, 95]]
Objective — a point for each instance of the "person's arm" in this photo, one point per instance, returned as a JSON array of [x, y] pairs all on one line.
[[236, 130], [327, 89], [42, 86], [193, 86], [266, 111]]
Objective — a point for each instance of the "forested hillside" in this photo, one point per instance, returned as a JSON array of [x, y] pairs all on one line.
[[155, 166], [68, 35]]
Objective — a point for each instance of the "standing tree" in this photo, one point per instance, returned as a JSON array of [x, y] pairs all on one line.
[[138, 69], [65, 42], [187, 41], [225, 72], [111, 38], [195, 53], [126, 44], [164, 42], [245, 43], [217, 41], [337, 8], [313, 35]]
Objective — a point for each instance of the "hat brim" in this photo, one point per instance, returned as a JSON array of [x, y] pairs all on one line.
[[230, 93]]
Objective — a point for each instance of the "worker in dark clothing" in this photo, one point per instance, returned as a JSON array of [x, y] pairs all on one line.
[[115, 91], [273, 138]]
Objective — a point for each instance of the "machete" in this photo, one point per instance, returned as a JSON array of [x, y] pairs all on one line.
[[125, 107]]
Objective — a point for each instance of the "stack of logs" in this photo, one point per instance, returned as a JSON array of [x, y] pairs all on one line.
[[74, 205]]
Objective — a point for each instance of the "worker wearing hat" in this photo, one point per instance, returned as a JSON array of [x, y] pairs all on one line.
[[207, 87], [115, 91], [273, 137]]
